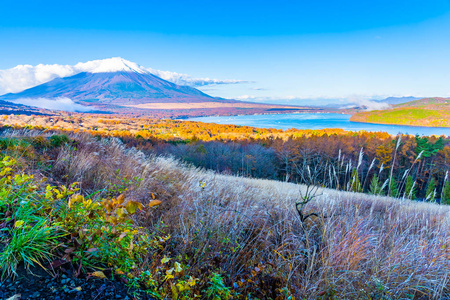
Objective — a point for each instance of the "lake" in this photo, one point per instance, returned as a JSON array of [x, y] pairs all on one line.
[[319, 121]]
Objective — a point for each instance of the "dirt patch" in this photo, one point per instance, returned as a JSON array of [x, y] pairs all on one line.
[[62, 285]]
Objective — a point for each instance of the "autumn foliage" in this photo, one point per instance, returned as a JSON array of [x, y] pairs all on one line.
[[337, 156]]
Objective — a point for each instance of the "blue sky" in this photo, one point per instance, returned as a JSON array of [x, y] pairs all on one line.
[[287, 50]]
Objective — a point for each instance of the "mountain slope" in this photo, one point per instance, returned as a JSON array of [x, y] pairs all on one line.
[[120, 87], [22, 77], [431, 112], [128, 91]]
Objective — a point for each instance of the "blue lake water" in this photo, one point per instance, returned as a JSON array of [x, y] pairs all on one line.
[[319, 121]]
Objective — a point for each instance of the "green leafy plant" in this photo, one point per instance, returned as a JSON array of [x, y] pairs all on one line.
[[216, 289], [94, 234], [30, 243], [103, 234], [57, 140], [122, 183], [28, 236]]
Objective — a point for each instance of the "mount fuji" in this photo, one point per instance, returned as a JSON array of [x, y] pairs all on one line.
[[116, 85], [113, 81]]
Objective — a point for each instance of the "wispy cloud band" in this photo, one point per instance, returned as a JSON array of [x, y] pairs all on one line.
[[61, 103]]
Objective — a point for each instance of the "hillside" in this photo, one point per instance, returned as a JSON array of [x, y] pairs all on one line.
[[208, 234], [10, 108], [268, 152], [432, 112]]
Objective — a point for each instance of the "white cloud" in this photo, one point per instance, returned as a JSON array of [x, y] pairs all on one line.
[[184, 79], [23, 77], [248, 97], [114, 64], [369, 104], [62, 103], [350, 102], [372, 105], [286, 100]]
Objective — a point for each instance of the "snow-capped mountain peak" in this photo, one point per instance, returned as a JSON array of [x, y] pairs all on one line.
[[114, 64], [23, 77]]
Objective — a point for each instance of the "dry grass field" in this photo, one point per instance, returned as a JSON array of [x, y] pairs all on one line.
[[357, 247]]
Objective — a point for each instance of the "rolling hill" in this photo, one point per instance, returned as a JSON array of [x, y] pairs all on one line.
[[352, 246], [431, 112]]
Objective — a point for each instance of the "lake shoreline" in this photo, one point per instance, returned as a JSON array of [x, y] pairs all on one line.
[[317, 121], [406, 125]]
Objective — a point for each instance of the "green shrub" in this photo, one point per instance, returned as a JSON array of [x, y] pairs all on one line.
[[42, 220], [216, 289], [30, 235], [7, 143], [57, 140]]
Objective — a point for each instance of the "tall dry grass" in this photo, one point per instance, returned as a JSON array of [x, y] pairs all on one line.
[[363, 247]]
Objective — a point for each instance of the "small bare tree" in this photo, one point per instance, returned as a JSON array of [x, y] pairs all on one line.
[[312, 187], [312, 243], [305, 198]]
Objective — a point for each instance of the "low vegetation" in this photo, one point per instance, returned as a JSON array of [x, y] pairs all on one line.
[[343, 160], [179, 232], [432, 112]]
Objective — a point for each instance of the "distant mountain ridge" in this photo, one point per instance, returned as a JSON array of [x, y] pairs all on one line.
[[398, 100], [429, 103]]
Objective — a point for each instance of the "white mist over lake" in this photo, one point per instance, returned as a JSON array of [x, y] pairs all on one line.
[[319, 121]]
